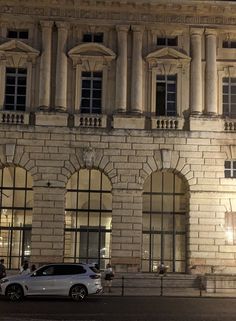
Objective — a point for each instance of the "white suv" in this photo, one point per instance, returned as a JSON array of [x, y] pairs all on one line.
[[74, 280]]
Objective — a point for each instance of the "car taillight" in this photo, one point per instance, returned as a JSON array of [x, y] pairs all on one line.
[[95, 276]]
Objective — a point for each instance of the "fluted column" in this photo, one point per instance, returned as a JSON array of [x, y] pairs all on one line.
[[121, 69], [45, 65], [137, 70], [196, 71], [211, 72], [61, 67]]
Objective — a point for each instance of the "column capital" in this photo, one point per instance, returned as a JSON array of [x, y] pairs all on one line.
[[46, 24], [210, 32], [122, 28], [62, 25], [196, 31], [137, 28]]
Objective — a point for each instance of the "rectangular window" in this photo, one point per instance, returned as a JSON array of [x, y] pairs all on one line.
[[15, 89], [229, 97], [91, 95], [229, 44], [167, 41], [93, 37], [230, 169], [18, 34], [166, 88]]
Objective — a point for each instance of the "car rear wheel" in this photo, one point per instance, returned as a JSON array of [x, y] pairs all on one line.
[[14, 292], [78, 293]]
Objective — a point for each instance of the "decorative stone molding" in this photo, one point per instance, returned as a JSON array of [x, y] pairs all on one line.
[[91, 57], [168, 61], [167, 56], [89, 155], [10, 152], [17, 53]]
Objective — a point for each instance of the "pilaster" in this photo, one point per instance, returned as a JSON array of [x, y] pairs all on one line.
[[126, 230], [211, 72], [196, 70], [61, 67], [45, 65], [121, 69], [137, 70]]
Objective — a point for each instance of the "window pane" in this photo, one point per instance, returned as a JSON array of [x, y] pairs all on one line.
[[87, 37]]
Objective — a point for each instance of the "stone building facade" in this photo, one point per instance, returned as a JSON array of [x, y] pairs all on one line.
[[117, 128]]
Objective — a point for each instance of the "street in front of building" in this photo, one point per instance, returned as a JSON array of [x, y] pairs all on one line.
[[103, 308]]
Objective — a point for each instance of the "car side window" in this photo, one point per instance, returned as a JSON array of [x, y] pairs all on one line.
[[69, 269], [47, 270]]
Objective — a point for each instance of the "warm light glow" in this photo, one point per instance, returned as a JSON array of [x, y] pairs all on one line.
[[229, 235]]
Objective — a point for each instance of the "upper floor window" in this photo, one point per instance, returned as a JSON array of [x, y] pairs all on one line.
[[15, 89], [91, 95], [229, 43], [17, 34], [93, 37], [167, 41], [229, 97], [230, 168], [166, 90]]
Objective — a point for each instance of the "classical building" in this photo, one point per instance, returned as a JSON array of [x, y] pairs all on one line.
[[118, 133]]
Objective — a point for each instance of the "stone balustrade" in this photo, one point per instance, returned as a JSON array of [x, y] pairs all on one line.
[[230, 126], [11, 117], [90, 120], [175, 123]]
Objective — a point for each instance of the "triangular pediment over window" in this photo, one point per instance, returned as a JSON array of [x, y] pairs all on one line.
[[166, 55], [17, 53], [90, 51], [18, 46]]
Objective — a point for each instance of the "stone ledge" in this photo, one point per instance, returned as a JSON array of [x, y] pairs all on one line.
[[208, 124], [128, 122], [55, 119]]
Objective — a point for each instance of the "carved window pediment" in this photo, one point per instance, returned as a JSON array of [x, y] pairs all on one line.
[[17, 53], [167, 56], [91, 52]]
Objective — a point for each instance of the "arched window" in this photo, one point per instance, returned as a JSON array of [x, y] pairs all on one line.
[[16, 197], [88, 218], [164, 222]]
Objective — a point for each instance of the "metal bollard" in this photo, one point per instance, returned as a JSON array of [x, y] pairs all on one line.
[[161, 294], [122, 286]]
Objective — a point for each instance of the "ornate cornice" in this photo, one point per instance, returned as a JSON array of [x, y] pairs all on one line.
[[187, 12]]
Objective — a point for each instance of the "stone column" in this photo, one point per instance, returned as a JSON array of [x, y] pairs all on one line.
[[121, 69], [137, 71], [126, 230], [211, 73], [61, 67], [45, 65], [196, 71]]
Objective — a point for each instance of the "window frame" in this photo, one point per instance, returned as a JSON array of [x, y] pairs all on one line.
[[17, 54], [229, 95], [162, 231], [93, 36], [18, 33], [99, 60], [166, 82], [231, 169], [16, 75], [92, 79]]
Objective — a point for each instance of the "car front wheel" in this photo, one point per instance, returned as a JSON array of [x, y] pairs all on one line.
[[14, 292], [78, 293]]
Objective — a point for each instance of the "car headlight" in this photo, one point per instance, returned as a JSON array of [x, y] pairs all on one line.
[[4, 280]]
